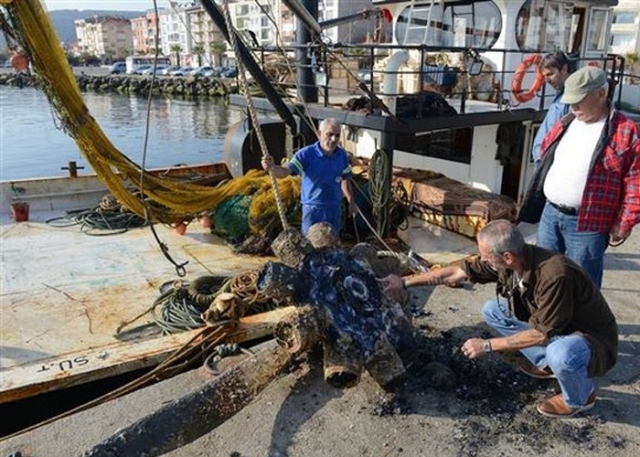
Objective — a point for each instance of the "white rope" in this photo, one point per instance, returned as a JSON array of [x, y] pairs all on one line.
[[252, 112]]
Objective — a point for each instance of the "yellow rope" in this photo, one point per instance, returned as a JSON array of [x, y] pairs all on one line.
[[170, 200]]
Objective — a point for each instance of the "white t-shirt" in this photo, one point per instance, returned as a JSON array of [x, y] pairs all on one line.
[[567, 177]]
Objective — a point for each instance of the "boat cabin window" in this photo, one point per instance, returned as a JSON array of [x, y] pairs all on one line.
[[477, 25], [451, 144], [546, 25], [597, 31]]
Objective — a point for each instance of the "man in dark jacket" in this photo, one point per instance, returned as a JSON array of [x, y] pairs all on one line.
[[546, 307]]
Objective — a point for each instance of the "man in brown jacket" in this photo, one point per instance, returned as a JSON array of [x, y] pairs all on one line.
[[546, 307]]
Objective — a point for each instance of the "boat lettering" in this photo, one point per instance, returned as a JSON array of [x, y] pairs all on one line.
[[67, 364]]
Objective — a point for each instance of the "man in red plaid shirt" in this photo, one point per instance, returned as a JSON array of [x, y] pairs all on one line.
[[586, 192]]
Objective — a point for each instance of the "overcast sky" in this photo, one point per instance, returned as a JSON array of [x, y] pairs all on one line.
[[121, 5]]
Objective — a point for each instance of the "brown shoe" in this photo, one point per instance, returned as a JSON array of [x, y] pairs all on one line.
[[535, 372], [556, 407]]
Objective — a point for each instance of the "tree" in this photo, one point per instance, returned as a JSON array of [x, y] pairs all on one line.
[[631, 59], [177, 49], [198, 50], [217, 48]]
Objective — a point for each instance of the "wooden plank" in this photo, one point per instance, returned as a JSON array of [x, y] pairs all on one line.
[[109, 360]]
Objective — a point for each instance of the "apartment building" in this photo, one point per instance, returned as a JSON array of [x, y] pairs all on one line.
[[625, 27], [208, 45], [189, 36], [107, 37], [175, 37], [271, 23], [144, 33]]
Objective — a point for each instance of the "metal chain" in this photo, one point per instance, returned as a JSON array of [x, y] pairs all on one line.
[[252, 113]]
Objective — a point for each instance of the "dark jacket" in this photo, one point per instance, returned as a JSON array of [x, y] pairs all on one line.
[[558, 298]]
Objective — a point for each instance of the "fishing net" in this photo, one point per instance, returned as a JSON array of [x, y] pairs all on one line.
[[163, 199], [231, 218]]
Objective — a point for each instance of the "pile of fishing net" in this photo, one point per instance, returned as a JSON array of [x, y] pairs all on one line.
[[248, 218]]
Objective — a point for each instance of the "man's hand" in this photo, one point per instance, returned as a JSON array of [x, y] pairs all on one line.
[[473, 348], [353, 208], [267, 162], [391, 283], [617, 236]]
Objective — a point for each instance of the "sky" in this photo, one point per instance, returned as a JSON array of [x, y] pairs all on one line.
[[121, 5]]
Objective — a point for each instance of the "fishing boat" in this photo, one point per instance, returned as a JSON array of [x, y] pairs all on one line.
[[66, 294]]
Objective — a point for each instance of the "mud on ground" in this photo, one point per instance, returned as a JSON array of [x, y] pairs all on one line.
[[447, 405]]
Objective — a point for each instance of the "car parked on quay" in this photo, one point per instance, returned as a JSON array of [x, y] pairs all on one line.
[[118, 68], [230, 72], [182, 71], [205, 70], [150, 71], [140, 69], [169, 69]]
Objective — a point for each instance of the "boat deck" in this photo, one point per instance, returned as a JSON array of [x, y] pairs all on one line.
[[64, 294]]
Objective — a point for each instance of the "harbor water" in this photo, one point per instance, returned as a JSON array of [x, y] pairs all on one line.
[[181, 131]]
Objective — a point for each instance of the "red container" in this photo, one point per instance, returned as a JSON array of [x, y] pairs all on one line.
[[20, 212]]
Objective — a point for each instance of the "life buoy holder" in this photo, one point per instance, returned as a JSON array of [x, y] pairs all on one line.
[[517, 92]]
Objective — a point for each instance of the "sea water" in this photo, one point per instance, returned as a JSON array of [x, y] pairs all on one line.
[[181, 131]]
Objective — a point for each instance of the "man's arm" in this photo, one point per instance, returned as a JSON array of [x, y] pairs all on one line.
[[629, 214], [451, 274], [475, 347], [277, 170], [347, 191]]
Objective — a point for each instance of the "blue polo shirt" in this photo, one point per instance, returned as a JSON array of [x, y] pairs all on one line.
[[321, 174], [557, 110]]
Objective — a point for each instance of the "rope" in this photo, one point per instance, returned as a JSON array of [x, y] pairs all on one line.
[[245, 287], [177, 362], [177, 311], [378, 185], [252, 114], [100, 221], [181, 303]]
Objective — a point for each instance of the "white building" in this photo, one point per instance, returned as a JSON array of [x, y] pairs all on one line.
[[625, 27]]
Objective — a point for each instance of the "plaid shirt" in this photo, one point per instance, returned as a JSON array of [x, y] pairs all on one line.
[[612, 193]]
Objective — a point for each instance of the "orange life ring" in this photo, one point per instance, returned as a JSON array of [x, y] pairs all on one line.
[[19, 61], [517, 92]]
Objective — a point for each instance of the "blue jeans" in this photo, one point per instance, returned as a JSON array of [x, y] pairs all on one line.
[[312, 214], [567, 356], [559, 232]]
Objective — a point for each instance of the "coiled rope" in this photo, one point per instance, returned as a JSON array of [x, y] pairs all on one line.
[[181, 303], [175, 311], [378, 186], [109, 217]]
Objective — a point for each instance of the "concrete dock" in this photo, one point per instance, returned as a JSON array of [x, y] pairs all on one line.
[[299, 415]]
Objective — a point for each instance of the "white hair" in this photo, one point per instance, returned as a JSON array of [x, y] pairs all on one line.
[[327, 122]]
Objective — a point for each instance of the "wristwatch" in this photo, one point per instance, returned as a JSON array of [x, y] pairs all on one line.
[[486, 346]]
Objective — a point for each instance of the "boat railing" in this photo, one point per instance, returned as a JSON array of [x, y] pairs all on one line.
[[460, 74]]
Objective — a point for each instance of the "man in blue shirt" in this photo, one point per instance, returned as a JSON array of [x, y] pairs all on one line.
[[325, 170], [555, 68]]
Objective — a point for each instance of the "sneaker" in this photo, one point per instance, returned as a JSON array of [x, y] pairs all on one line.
[[535, 372], [556, 407]]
